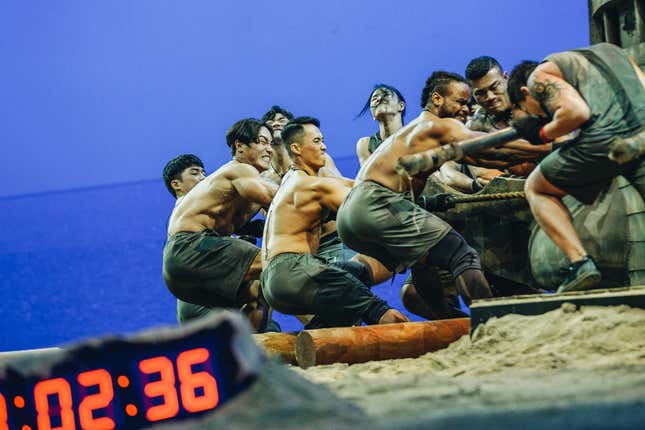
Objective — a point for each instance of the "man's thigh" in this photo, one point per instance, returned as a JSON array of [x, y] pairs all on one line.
[[578, 172]]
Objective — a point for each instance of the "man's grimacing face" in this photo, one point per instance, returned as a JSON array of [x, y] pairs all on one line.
[[490, 91], [456, 102], [258, 153], [312, 148]]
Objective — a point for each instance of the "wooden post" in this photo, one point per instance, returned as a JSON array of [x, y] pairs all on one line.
[[282, 345], [377, 342]]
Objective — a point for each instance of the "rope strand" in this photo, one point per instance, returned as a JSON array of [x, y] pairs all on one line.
[[489, 197]]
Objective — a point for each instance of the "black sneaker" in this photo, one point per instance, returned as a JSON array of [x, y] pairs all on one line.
[[582, 275]]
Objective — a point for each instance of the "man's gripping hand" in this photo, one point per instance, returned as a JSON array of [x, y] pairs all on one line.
[[392, 316], [253, 228], [438, 202], [529, 127]]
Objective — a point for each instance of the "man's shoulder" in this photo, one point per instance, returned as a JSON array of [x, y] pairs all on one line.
[[451, 124], [272, 176], [235, 169], [363, 140], [436, 121], [300, 182]]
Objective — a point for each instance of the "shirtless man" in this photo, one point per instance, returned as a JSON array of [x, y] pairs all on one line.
[[378, 218], [447, 95], [330, 248], [202, 264], [601, 91], [277, 117], [387, 106], [180, 175], [294, 280]]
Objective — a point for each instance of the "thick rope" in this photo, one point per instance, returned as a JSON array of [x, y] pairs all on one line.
[[488, 197]]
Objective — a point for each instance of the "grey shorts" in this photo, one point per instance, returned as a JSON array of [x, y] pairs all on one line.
[[205, 268], [388, 226]]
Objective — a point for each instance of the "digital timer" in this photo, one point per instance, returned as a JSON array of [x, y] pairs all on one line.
[[130, 383]]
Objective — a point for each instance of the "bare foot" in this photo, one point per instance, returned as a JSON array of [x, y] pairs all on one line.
[[392, 316]]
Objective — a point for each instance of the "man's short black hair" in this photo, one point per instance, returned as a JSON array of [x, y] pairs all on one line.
[[439, 81], [519, 78], [478, 67], [176, 166], [246, 131], [366, 106], [275, 109], [294, 129]]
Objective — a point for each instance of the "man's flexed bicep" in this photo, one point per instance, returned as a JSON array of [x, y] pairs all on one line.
[[331, 192], [252, 187], [428, 134]]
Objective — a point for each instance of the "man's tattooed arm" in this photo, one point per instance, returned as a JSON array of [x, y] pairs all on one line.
[[559, 100], [546, 93]]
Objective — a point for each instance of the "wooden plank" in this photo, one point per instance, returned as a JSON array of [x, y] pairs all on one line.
[[482, 310]]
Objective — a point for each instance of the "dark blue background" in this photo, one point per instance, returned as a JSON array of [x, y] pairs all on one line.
[[97, 96]]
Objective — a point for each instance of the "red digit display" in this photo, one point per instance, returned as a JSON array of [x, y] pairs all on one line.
[[92, 402], [58, 387], [190, 381], [4, 417], [165, 387]]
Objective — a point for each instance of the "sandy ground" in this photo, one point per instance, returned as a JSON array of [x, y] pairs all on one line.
[[592, 355]]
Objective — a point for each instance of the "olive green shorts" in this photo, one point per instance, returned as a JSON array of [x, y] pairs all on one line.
[[376, 221], [584, 170], [205, 268]]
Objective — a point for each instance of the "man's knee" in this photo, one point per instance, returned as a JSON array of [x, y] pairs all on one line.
[[454, 254], [466, 258], [378, 271], [472, 284], [532, 184], [537, 184], [408, 295], [248, 292]]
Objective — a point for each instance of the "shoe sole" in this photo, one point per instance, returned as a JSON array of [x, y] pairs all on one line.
[[585, 282]]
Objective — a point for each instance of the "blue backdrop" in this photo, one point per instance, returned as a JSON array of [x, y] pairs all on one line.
[[97, 96]]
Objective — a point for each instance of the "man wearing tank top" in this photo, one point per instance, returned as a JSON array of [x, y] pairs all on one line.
[[600, 91]]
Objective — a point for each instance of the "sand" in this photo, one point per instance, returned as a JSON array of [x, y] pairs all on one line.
[[568, 356]]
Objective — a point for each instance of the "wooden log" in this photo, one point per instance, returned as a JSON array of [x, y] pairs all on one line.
[[377, 342], [282, 345], [432, 159]]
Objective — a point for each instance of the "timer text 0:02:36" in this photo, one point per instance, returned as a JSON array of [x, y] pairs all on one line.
[[55, 410]]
